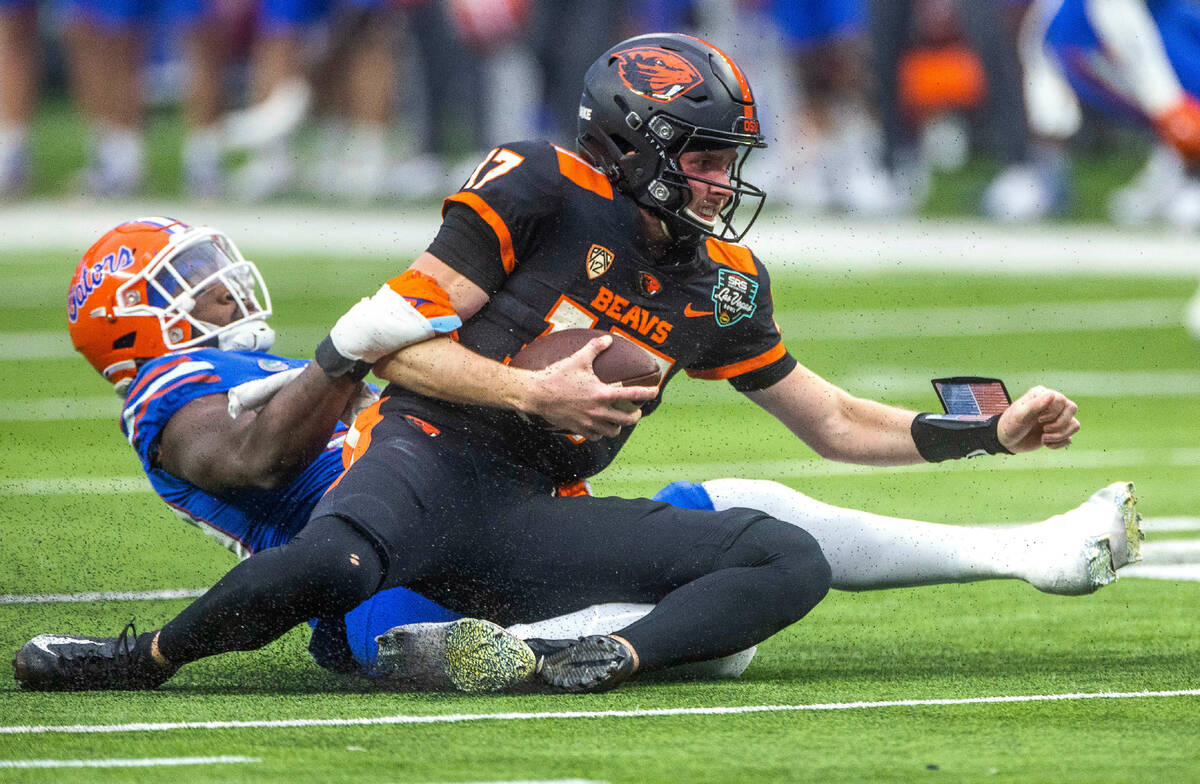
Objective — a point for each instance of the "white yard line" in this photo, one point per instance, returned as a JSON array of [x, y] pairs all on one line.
[[86, 729], [1016, 319], [394, 233], [150, 762], [60, 409], [1162, 557], [894, 381], [1172, 552], [101, 485], [800, 469], [908, 381], [664, 473], [954, 321], [101, 596], [1180, 572], [1164, 524], [34, 345]]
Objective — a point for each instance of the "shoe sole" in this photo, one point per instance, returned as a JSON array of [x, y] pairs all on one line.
[[1134, 536], [469, 655], [482, 657], [1100, 568]]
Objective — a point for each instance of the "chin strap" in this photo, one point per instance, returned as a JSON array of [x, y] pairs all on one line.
[[251, 336]]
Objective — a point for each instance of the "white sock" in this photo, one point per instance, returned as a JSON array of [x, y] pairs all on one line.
[[608, 618], [202, 160], [868, 551], [120, 156], [14, 139], [14, 156], [365, 161]]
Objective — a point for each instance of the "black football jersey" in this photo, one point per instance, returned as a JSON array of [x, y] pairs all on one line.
[[555, 247]]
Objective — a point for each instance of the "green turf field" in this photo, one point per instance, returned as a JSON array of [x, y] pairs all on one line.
[[75, 516]]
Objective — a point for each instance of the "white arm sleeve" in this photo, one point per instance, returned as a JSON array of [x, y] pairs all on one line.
[[1129, 33]]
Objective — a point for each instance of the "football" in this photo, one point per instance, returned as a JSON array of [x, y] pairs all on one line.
[[623, 362]]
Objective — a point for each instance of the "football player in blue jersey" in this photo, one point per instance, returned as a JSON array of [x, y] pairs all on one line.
[[451, 491], [1137, 61]]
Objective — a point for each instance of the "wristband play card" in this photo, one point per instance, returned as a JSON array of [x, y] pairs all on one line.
[[972, 395]]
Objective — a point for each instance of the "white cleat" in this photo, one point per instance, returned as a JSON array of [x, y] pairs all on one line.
[[1080, 551], [1125, 525], [468, 655]]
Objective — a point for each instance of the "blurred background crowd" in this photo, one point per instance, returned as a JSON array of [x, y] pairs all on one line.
[[864, 102]]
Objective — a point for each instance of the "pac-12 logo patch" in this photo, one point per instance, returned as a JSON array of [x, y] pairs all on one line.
[[649, 284], [599, 259], [733, 297], [655, 73]]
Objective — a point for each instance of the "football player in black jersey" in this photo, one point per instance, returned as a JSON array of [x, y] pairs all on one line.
[[451, 491]]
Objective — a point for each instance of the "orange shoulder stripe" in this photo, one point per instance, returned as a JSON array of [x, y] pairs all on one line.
[[745, 366], [736, 256], [582, 173], [493, 219]]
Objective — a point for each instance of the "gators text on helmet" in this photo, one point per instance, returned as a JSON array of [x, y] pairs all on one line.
[[650, 99], [134, 290]]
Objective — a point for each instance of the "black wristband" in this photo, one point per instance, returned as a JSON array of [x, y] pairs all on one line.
[[940, 437], [336, 366]]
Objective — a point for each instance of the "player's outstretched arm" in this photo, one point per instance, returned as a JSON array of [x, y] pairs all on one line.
[[842, 427], [257, 449], [837, 425]]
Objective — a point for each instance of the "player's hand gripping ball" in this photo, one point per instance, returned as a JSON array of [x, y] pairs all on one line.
[[623, 362]]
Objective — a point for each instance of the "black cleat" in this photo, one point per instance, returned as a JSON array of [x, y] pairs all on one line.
[[50, 662], [591, 664]]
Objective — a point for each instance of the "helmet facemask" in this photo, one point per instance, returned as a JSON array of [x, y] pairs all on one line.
[[185, 271], [670, 192]]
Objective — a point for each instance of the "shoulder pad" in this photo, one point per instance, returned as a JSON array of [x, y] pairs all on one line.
[[739, 257]]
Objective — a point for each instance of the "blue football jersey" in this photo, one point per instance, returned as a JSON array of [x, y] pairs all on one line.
[[246, 521]]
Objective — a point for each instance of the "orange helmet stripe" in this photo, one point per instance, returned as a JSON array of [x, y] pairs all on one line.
[[748, 111]]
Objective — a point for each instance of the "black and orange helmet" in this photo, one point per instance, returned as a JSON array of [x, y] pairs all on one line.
[[648, 100]]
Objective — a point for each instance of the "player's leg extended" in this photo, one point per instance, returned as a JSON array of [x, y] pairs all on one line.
[[1069, 553], [720, 582], [326, 570], [608, 618]]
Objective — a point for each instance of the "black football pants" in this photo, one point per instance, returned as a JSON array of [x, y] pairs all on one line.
[[484, 537]]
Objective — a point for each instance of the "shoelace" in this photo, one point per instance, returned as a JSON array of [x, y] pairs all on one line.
[[124, 648], [121, 657]]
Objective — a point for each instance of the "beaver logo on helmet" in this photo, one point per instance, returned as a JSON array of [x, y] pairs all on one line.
[[658, 74]]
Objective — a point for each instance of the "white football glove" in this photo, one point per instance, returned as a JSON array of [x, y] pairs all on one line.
[[383, 323], [253, 395]]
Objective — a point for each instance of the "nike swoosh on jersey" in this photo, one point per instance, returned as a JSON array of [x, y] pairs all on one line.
[[691, 312], [44, 640]]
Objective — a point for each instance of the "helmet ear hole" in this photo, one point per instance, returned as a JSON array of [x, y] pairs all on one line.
[[125, 341]]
